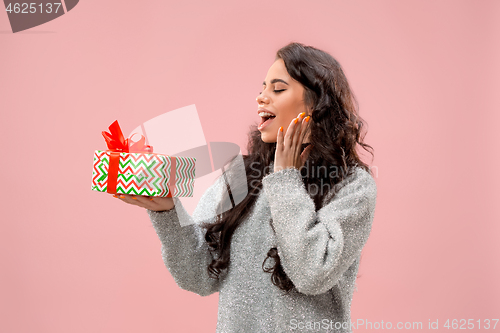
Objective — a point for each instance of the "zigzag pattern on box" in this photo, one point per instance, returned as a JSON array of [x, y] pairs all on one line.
[[184, 175], [144, 174], [140, 174], [100, 171]]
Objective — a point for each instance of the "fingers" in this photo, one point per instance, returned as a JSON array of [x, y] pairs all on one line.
[[296, 132], [289, 144], [138, 200], [301, 131], [280, 139], [288, 139], [297, 139], [128, 199]]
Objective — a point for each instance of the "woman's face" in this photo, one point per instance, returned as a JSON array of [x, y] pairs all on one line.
[[281, 96]]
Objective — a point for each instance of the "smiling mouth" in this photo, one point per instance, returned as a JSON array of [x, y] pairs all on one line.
[[266, 120]]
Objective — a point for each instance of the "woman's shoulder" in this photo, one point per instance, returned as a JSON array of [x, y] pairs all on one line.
[[361, 174], [357, 181], [361, 178]]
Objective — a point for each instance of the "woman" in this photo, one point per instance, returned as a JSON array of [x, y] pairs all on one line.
[[286, 257]]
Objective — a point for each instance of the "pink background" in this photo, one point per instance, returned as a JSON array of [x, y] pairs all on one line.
[[426, 73]]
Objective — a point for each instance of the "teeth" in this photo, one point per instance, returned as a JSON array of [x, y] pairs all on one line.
[[266, 114]]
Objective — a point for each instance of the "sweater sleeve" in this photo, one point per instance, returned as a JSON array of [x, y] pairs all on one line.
[[184, 249], [316, 248]]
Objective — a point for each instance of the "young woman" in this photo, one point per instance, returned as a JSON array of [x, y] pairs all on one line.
[[286, 257]]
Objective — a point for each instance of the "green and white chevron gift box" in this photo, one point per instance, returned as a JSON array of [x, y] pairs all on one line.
[[129, 167], [145, 174]]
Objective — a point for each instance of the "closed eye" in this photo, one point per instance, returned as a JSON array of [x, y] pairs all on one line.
[[276, 91]]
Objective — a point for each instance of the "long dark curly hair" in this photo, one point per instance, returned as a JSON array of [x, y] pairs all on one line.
[[335, 132]]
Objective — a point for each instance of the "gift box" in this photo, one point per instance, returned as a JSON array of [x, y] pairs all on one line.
[[129, 167]]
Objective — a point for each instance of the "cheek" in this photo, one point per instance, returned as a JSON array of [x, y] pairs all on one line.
[[286, 120], [290, 108]]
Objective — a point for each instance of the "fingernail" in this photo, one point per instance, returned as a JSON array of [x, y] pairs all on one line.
[[151, 199], [307, 118], [122, 196], [302, 114], [134, 198], [281, 128], [114, 195], [295, 120]]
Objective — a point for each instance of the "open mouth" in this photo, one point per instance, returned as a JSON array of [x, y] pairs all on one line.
[[266, 120]]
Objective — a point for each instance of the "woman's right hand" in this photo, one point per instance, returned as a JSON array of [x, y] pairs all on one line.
[[152, 203]]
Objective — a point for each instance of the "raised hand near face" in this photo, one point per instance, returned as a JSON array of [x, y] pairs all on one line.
[[289, 144]]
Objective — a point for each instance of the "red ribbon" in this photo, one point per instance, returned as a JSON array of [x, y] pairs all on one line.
[[116, 141], [117, 144]]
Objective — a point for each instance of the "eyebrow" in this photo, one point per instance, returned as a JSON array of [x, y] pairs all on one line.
[[274, 81]]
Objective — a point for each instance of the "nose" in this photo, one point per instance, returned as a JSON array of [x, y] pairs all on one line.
[[261, 99]]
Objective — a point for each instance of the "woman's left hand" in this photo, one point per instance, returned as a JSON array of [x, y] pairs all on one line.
[[288, 145]]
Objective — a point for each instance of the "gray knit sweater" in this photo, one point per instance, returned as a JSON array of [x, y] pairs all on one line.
[[319, 252]]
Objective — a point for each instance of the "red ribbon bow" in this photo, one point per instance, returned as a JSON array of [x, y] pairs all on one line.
[[117, 144]]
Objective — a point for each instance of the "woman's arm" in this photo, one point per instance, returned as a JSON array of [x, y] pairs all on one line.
[[316, 248], [184, 249]]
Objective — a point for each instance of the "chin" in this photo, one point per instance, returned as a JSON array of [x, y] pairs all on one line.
[[267, 138]]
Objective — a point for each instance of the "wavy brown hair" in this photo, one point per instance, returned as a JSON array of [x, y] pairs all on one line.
[[335, 132]]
